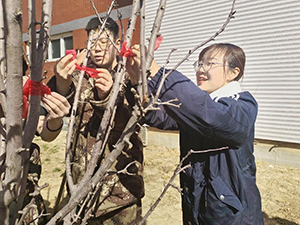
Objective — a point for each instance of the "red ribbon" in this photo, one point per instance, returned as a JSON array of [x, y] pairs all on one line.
[[158, 41], [25, 107], [125, 51], [89, 71], [72, 52], [33, 88]]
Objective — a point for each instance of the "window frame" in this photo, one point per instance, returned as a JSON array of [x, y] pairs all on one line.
[[60, 37]]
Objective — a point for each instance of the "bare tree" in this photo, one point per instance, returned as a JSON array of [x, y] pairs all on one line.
[[12, 18], [15, 158]]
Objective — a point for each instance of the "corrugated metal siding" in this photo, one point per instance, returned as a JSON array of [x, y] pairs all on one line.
[[269, 33]]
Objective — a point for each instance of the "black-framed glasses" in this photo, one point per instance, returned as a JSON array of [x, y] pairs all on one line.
[[104, 43], [206, 65]]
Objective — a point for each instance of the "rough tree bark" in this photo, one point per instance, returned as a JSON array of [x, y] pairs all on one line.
[[13, 163], [16, 147]]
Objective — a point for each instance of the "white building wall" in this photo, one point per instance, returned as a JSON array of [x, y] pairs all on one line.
[[269, 33]]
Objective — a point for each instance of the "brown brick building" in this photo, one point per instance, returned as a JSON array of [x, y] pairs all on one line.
[[69, 18]]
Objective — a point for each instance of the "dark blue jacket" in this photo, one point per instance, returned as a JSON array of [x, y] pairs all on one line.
[[219, 187]]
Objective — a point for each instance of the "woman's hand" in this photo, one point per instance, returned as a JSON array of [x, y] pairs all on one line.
[[133, 65], [56, 105], [50, 126]]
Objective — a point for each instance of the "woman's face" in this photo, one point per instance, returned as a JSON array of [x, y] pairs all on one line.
[[211, 74]]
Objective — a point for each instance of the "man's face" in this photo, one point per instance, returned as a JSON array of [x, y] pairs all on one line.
[[103, 53]]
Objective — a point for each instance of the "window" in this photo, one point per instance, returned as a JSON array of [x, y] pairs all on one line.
[[55, 53], [58, 46]]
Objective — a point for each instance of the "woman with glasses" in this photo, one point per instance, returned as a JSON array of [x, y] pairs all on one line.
[[216, 123]]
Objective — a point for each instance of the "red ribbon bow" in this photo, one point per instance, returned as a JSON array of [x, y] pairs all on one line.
[[125, 51], [33, 88], [89, 71]]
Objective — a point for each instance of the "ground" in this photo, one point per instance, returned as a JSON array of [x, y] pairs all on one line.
[[279, 185]]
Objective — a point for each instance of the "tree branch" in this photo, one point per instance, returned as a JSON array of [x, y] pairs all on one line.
[[177, 171], [2, 62], [142, 89], [230, 16], [155, 31], [71, 184]]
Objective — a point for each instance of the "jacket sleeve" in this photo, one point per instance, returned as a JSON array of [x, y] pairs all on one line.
[[228, 120], [160, 119]]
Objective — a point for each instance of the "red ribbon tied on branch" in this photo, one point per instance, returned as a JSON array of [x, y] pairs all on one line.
[[89, 71], [33, 88], [125, 50], [157, 42]]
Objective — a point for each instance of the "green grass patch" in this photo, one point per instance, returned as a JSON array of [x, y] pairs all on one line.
[[56, 170]]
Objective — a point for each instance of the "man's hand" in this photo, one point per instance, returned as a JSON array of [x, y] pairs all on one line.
[[63, 70], [103, 83]]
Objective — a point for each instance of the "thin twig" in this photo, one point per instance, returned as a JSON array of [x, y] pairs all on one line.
[[77, 216], [125, 170], [80, 194], [32, 203], [103, 131], [121, 24], [104, 128], [93, 202], [60, 192], [190, 52], [142, 88], [154, 33], [176, 187], [177, 171], [103, 22], [72, 119]]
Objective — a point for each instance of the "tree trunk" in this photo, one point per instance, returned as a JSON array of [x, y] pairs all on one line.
[[13, 163]]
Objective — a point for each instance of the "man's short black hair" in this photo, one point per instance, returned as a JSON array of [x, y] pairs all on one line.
[[111, 25]]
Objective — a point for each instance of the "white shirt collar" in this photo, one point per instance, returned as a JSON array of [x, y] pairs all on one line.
[[227, 90]]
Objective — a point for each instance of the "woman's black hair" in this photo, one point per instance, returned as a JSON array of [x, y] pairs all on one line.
[[234, 56]]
